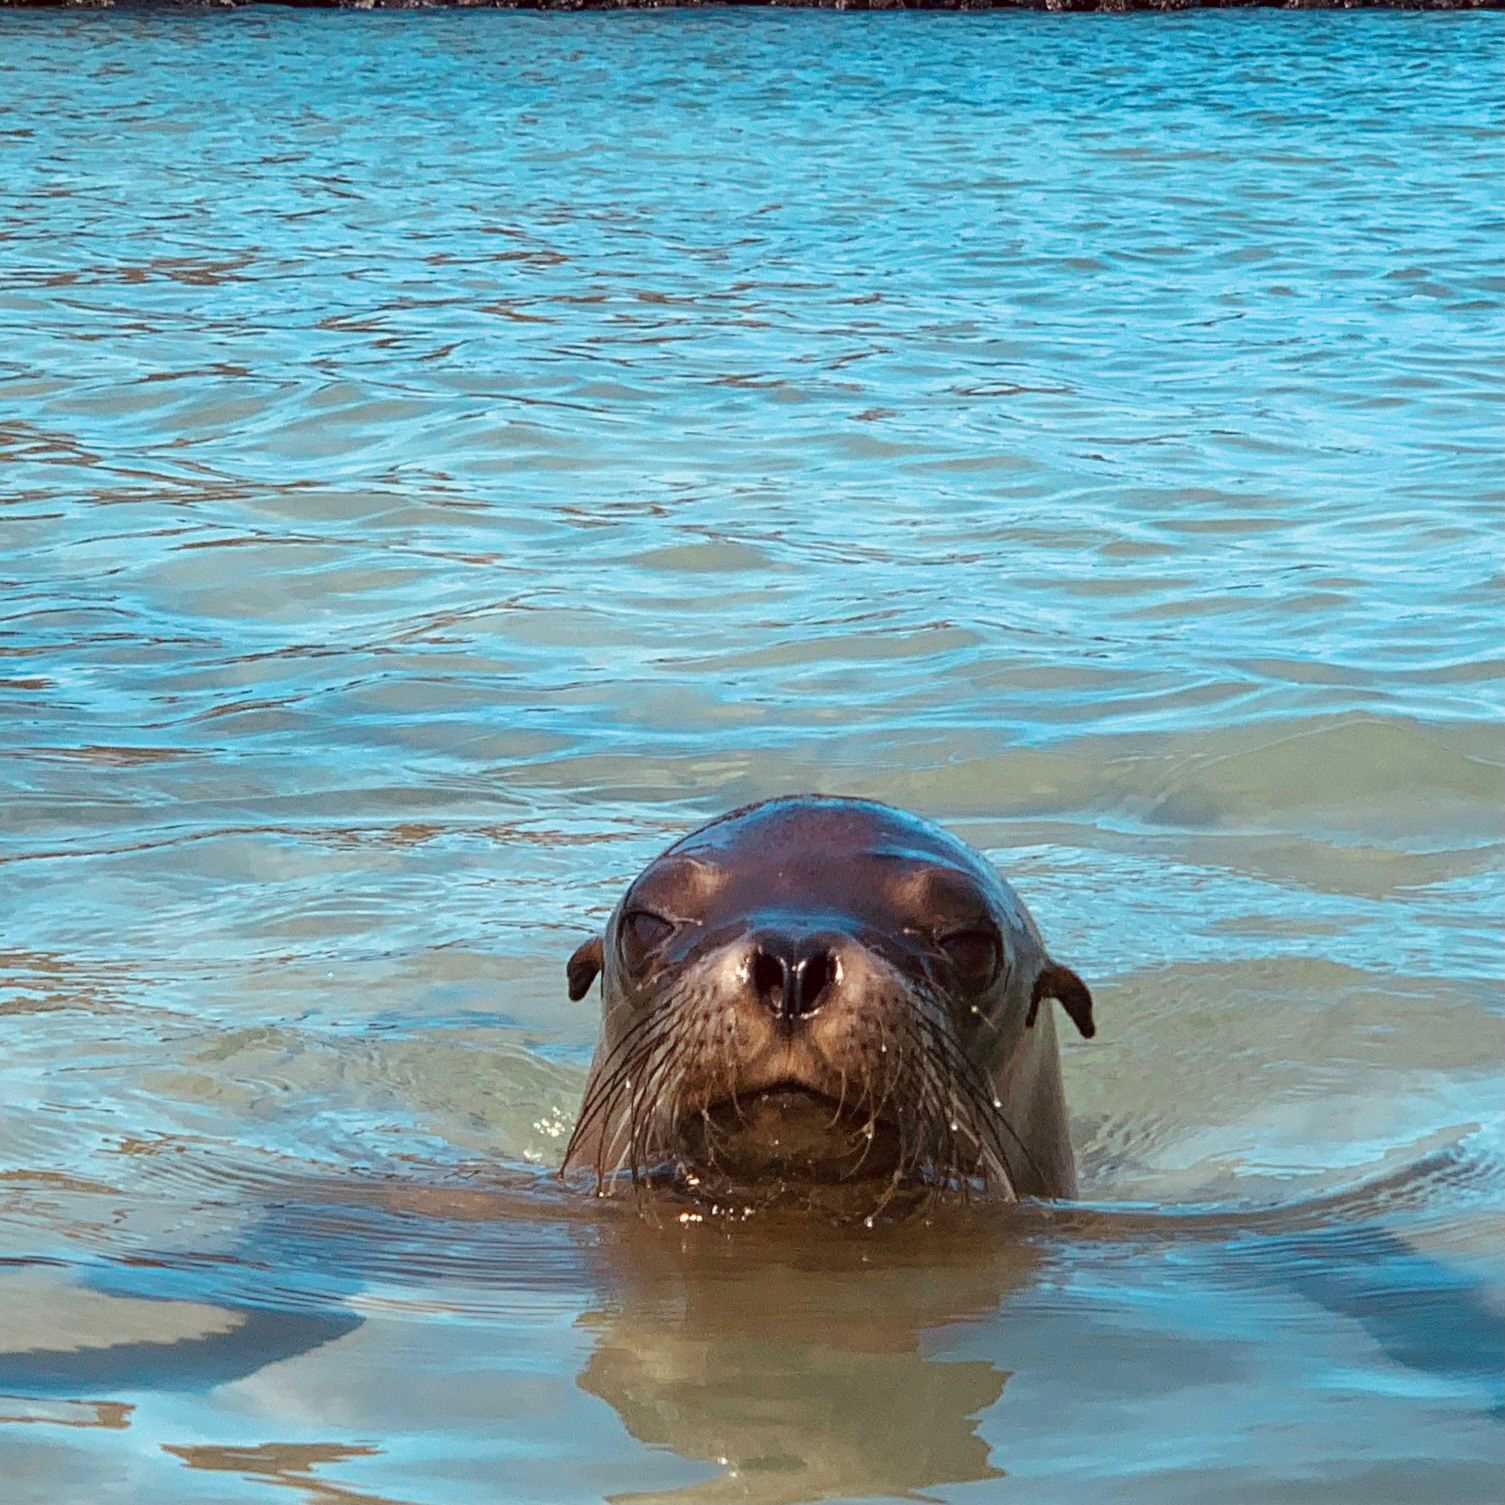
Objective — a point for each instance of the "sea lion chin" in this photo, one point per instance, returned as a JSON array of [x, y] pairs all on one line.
[[825, 1000]]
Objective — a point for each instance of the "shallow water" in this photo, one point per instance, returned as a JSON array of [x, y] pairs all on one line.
[[447, 456]]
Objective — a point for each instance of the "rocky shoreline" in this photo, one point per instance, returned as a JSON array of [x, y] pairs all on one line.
[[578, 5]]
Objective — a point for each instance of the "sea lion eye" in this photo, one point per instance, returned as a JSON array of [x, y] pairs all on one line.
[[642, 930], [973, 953]]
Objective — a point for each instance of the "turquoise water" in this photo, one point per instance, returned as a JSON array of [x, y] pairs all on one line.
[[443, 457]]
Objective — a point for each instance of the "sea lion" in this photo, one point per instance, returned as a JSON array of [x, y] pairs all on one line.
[[827, 998]]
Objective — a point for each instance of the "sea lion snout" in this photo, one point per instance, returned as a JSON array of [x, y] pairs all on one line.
[[793, 971]]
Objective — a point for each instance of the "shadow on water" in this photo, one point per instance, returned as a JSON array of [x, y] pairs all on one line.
[[768, 1350]]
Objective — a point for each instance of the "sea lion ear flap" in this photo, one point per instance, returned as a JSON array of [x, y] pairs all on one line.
[[1062, 984], [582, 967]]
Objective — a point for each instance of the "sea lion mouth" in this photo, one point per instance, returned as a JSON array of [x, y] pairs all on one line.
[[790, 1132], [789, 1097]]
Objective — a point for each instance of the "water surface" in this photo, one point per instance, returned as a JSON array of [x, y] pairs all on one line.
[[444, 457]]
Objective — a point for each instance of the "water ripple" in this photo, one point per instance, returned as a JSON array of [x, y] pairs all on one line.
[[436, 474]]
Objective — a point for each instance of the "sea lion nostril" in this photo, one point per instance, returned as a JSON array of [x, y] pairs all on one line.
[[770, 976], [790, 977], [813, 975]]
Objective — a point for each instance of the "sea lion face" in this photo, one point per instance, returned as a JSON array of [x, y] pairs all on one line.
[[813, 992]]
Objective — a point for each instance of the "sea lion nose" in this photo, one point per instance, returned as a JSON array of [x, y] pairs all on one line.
[[792, 974]]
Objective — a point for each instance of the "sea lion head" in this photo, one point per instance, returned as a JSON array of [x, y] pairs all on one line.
[[819, 992]]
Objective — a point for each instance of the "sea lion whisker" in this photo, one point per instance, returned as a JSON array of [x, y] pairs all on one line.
[[956, 1096], [893, 1068], [639, 1063], [987, 1111], [605, 1070], [869, 1132], [841, 1099], [658, 1022], [947, 1122], [662, 1083], [618, 1066], [913, 1130], [710, 1134], [960, 1108], [884, 1198], [646, 1088], [926, 1137]]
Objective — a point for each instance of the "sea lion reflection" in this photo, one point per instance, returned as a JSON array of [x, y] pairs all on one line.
[[798, 1368]]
